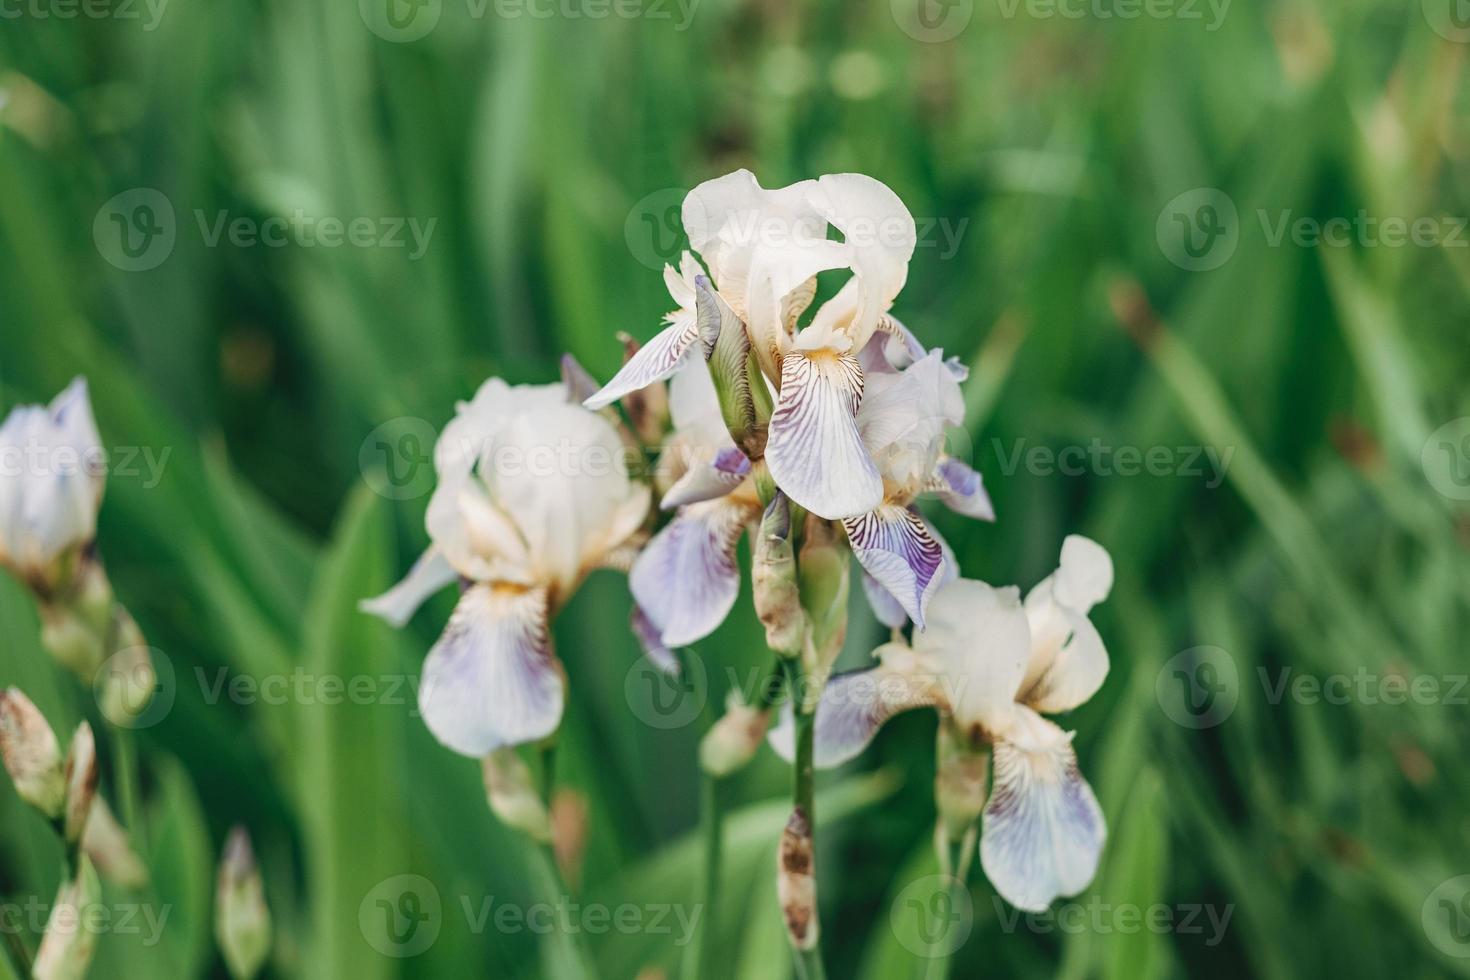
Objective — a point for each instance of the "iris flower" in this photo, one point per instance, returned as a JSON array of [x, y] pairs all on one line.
[[860, 407], [533, 493], [993, 666]]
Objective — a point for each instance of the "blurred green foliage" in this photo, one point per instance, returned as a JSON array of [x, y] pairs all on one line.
[[1041, 155]]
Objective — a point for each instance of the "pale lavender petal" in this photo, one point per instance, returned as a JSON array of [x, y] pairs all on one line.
[[888, 609], [854, 705], [653, 645], [658, 359], [708, 479], [963, 490], [687, 578], [579, 382], [1043, 831], [428, 575], [815, 452], [895, 546], [492, 679]]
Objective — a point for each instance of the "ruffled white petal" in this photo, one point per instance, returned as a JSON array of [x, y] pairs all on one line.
[[980, 639], [687, 578], [428, 575], [1086, 574], [815, 453], [1043, 830], [761, 246], [492, 679], [895, 546], [879, 235], [903, 418], [1066, 670]]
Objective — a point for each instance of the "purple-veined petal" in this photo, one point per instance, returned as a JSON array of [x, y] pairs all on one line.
[[1043, 831], [963, 489], [815, 452], [886, 608], [894, 545], [492, 679], [428, 575], [854, 705], [653, 645], [687, 578], [658, 359], [708, 479]]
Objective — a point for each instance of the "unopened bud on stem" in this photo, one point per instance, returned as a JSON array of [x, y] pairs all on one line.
[[66, 949], [648, 408], [31, 753], [774, 581], [796, 881], [732, 740], [825, 573], [81, 783], [959, 783], [512, 794], [242, 920]]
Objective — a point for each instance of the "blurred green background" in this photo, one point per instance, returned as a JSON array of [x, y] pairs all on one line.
[[1055, 164]]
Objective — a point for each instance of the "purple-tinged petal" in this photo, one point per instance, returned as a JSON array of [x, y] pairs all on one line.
[[706, 480], [963, 490], [895, 546], [653, 645], [492, 679], [854, 705], [428, 575], [579, 382], [815, 453], [888, 609], [1043, 831], [687, 578], [659, 358]]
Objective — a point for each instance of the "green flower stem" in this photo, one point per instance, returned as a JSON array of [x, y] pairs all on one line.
[[568, 956], [955, 857], [803, 792]]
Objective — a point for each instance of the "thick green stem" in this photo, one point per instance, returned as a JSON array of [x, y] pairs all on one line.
[[567, 955], [803, 800], [955, 858]]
